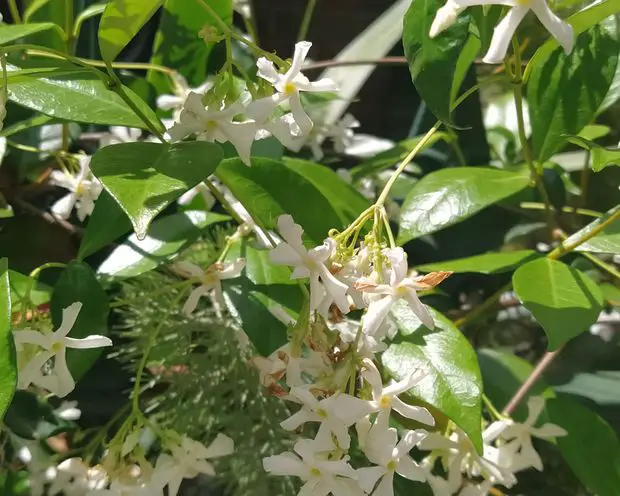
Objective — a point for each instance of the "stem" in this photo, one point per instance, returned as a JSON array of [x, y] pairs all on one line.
[[401, 167], [225, 203], [571, 210], [483, 307], [521, 393], [535, 173], [610, 269], [491, 407], [454, 143], [17, 18], [305, 21], [585, 181], [324, 64]]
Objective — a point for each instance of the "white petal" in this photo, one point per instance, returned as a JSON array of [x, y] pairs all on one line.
[[406, 384], [298, 419], [493, 431], [188, 269], [169, 102], [503, 33], [299, 57], [325, 84], [192, 300], [26, 336], [221, 446], [412, 412], [317, 292], [301, 118], [267, 70], [347, 408], [549, 430], [419, 309], [373, 377], [560, 30], [32, 369], [69, 316], [63, 207], [241, 135], [386, 486], [87, 343], [535, 405], [335, 288], [408, 440], [301, 272], [284, 254], [66, 384], [233, 269], [284, 464], [367, 477], [261, 109], [376, 314], [444, 18]]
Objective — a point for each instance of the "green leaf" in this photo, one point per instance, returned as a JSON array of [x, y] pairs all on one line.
[[435, 64], [36, 121], [606, 241], [31, 417], [259, 268], [503, 373], [611, 294], [602, 387], [591, 447], [563, 300], [76, 94], [489, 263], [453, 384], [269, 189], [12, 32], [146, 177], [120, 22], [594, 131], [8, 362], [600, 156], [559, 101], [392, 157], [20, 285], [177, 43], [79, 283], [166, 237], [346, 201], [54, 11], [449, 196], [107, 223]]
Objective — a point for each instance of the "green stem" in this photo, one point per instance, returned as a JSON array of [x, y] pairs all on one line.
[[483, 307], [491, 407], [17, 18], [225, 203], [602, 265], [305, 21], [454, 143], [581, 211]]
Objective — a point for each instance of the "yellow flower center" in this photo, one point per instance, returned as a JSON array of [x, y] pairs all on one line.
[[392, 466], [401, 291], [80, 189], [321, 413], [385, 402], [315, 472], [289, 88], [57, 347], [210, 125], [524, 3]]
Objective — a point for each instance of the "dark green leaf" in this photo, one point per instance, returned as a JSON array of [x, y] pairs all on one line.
[[76, 94], [453, 384], [54, 11], [31, 417], [20, 286], [146, 177], [107, 223], [12, 32], [606, 241], [8, 363], [448, 196], [489, 263], [563, 300], [37, 120], [600, 156], [345, 200], [269, 189], [603, 386], [78, 283], [166, 237], [559, 100], [120, 22], [435, 64], [591, 447]]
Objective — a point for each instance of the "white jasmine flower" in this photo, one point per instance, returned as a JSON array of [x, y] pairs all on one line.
[[321, 476], [335, 413], [84, 190], [399, 287], [342, 133], [210, 280], [481, 489], [60, 382], [74, 478], [68, 411], [520, 436], [309, 263], [385, 399], [367, 345], [131, 488], [504, 31], [382, 448], [215, 125], [120, 134], [288, 86], [200, 189], [181, 92], [189, 459]]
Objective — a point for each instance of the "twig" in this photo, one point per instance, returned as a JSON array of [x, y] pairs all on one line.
[[48, 217], [322, 64]]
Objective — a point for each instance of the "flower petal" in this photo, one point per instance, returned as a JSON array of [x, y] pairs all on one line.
[[63, 207], [192, 301], [222, 445], [419, 309], [267, 70], [66, 384], [285, 464], [27, 336], [87, 343], [232, 269], [503, 33], [299, 57], [560, 30], [301, 118], [367, 477], [69, 316], [376, 314]]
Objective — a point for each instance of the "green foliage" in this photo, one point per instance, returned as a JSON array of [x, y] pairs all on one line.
[[564, 300], [8, 365], [601, 156], [165, 173], [489, 263], [31, 417], [453, 384], [9, 33], [25, 290], [606, 241]]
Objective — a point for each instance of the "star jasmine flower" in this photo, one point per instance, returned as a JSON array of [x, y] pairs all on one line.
[[133, 488], [121, 134], [181, 92], [481, 489], [342, 133], [335, 413], [60, 382], [75, 478], [290, 84], [321, 476], [68, 411], [399, 286], [210, 280], [385, 399], [200, 189], [505, 30], [215, 125], [383, 449], [188, 459], [84, 190], [309, 263]]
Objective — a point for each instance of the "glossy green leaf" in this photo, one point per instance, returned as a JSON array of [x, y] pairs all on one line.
[[32, 417], [559, 101], [346, 201], [600, 156], [591, 447], [107, 223], [166, 237], [489, 263], [390, 158], [146, 177], [503, 373], [12, 32], [52, 11], [8, 362], [448, 196], [269, 189], [563, 300], [435, 64], [453, 384], [76, 94], [37, 120], [177, 43], [23, 287], [606, 241], [602, 386], [79, 283], [258, 266], [120, 22]]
